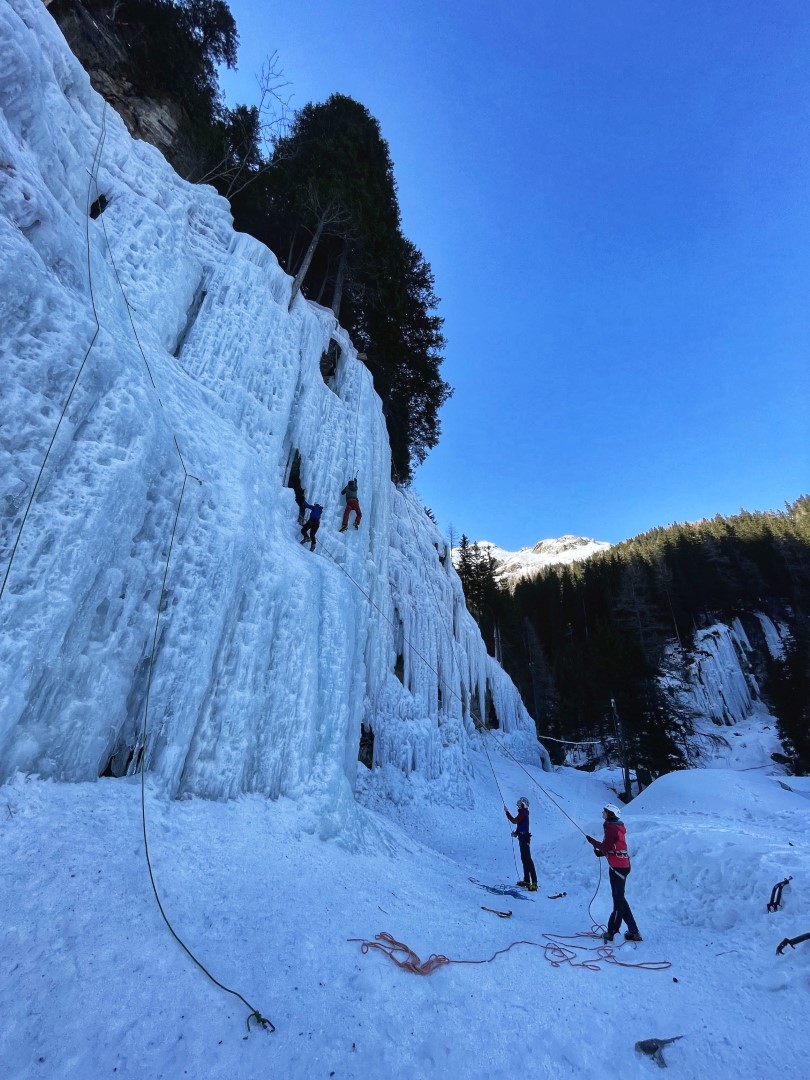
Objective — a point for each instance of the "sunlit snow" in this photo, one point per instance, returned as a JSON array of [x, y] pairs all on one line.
[[154, 394]]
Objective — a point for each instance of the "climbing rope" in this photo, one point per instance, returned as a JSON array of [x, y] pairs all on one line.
[[416, 652], [554, 949], [570, 742], [450, 640], [254, 1013], [92, 180], [357, 412], [559, 950], [498, 742]]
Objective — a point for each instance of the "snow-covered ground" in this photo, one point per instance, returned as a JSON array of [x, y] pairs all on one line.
[[94, 986], [123, 576]]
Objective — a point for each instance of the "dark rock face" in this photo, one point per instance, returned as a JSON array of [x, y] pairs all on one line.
[[99, 44]]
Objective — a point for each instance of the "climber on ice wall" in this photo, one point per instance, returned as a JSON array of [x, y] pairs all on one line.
[[350, 492], [313, 523]]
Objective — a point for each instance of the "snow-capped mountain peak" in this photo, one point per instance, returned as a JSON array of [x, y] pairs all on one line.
[[513, 566]]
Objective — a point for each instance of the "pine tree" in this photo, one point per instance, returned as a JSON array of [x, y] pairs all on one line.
[[333, 214]]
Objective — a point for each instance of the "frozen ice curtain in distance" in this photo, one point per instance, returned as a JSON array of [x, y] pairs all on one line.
[[155, 393]]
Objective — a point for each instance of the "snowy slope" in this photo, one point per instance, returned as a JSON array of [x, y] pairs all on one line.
[[267, 660], [513, 566], [95, 987], [155, 392]]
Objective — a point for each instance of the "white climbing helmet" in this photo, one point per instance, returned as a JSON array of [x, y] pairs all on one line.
[[612, 808], [523, 801]]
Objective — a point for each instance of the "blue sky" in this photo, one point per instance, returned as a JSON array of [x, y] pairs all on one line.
[[615, 201]]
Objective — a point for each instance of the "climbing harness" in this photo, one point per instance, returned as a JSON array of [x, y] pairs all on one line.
[[775, 901]]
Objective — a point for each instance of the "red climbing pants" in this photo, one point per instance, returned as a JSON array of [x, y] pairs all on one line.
[[352, 504]]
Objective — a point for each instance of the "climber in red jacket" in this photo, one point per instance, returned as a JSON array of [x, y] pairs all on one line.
[[613, 847]]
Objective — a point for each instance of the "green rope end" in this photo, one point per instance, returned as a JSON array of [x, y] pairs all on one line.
[[262, 1021]]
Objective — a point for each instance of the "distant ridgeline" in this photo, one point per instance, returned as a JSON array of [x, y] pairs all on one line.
[[642, 623], [318, 188]]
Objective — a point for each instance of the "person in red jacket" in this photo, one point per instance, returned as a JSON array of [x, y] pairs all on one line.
[[525, 841], [613, 847]]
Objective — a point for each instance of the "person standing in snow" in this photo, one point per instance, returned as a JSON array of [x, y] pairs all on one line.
[[313, 523], [350, 491], [613, 847], [525, 841]]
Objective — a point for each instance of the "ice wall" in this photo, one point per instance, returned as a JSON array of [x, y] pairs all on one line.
[[718, 682], [155, 391]]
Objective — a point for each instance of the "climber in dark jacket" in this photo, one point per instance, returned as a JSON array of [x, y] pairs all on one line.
[[525, 841], [313, 523], [613, 847], [350, 491]]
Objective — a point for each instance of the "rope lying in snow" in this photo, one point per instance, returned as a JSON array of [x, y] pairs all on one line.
[[555, 951], [558, 952]]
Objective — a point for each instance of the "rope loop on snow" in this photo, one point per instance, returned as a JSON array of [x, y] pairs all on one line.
[[558, 952], [389, 945], [554, 950]]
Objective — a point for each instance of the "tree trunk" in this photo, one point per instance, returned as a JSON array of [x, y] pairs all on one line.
[[324, 279], [291, 252], [340, 279], [302, 272]]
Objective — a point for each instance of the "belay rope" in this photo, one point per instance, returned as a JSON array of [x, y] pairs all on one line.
[[254, 1014], [558, 950]]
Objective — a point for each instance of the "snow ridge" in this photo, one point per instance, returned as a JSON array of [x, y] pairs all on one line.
[[511, 567]]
